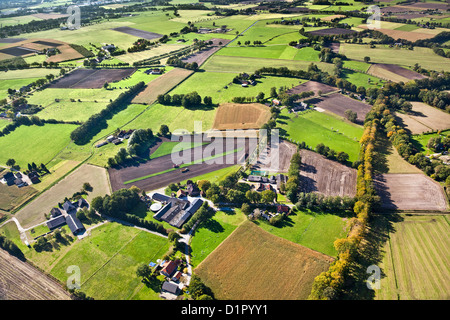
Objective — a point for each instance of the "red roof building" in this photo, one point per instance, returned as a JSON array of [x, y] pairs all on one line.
[[169, 268]]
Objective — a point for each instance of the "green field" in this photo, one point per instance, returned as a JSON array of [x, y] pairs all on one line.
[[416, 262], [108, 268], [317, 231], [237, 64], [361, 79], [314, 127], [215, 176], [425, 57], [209, 235], [37, 144], [357, 65]]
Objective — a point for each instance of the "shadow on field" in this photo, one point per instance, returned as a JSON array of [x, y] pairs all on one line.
[[381, 151], [370, 253]]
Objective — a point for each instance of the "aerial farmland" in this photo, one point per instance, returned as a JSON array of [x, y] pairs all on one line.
[[224, 150]]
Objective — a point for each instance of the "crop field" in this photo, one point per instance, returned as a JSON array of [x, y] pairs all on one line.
[[12, 197], [27, 73], [420, 141], [96, 176], [424, 118], [360, 79], [425, 57], [234, 269], [318, 174], [241, 116], [17, 274], [108, 268], [46, 142], [146, 54], [312, 86], [410, 192], [416, 261], [317, 127], [91, 78], [394, 73], [161, 85]]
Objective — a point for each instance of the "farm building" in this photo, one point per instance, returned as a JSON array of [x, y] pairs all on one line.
[[56, 222], [82, 203], [193, 190], [170, 287], [8, 178], [175, 211], [74, 223], [68, 206]]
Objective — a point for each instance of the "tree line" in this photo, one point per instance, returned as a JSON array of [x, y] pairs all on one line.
[[97, 122]]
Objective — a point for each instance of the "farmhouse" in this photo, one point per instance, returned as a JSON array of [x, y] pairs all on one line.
[[68, 206], [8, 178], [175, 211], [170, 287]]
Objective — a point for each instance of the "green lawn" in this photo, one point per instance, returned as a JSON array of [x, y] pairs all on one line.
[[215, 176], [361, 79], [357, 65], [420, 141], [37, 144], [317, 231], [314, 127]]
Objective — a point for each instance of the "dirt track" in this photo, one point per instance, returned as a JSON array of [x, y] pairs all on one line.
[[331, 178], [410, 192], [20, 281]]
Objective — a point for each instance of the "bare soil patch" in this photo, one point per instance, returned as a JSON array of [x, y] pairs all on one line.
[[406, 35], [91, 78], [139, 33], [161, 85], [241, 116], [203, 55], [118, 176], [254, 264], [338, 104], [312, 86], [409, 192], [334, 16], [406, 73], [20, 281], [11, 40], [17, 51], [424, 118], [330, 178]]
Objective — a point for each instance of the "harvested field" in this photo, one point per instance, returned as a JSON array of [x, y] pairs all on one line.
[[161, 85], [331, 31], [280, 163], [338, 103], [318, 174], [203, 55], [334, 46], [34, 212], [334, 16], [410, 192], [417, 258], [138, 33], [159, 172], [12, 196], [67, 53], [241, 116], [312, 86], [421, 5], [48, 43], [91, 78], [247, 266], [424, 118], [406, 35], [20, 281], [394, 72]]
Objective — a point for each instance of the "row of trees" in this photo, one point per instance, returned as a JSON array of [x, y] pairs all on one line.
[[97, 122], [331, 154], [188, 100], [120, 203], [321, 202]]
